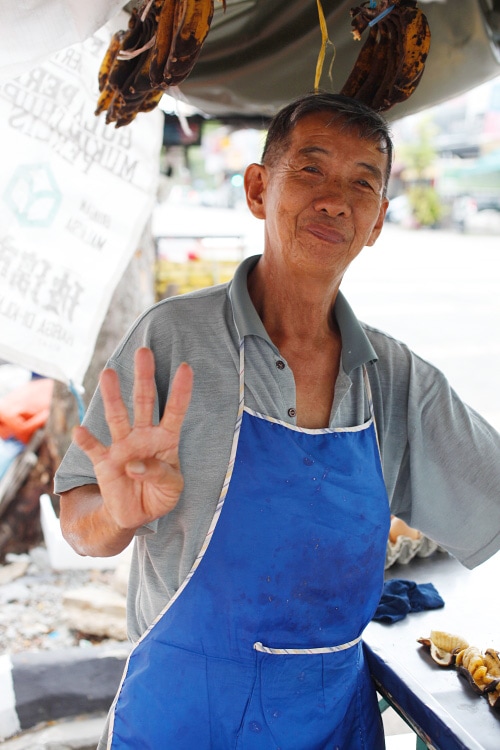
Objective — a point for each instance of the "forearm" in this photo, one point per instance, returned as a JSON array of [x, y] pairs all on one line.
[[87, 525]]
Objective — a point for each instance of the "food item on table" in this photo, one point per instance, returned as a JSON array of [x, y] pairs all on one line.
[[492, 660], [444, 646], [482, 671], [471, 663], [405, 543], [400, 528]]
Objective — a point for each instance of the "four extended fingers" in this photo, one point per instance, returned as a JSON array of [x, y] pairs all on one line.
[[144, 399]]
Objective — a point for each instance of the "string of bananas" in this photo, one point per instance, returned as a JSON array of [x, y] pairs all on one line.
[[392, 60], [158, 50]]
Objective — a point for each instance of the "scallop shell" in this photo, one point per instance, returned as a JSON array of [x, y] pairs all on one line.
[[492, 661], [494, 698], [482, 671], [447, 641], [472, 664], [444, 646]]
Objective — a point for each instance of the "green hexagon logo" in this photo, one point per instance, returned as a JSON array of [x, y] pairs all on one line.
[[33, 195]]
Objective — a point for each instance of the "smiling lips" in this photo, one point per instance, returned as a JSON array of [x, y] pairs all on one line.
[[325, 232]]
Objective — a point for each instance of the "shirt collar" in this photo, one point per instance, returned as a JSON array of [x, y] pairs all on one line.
[[357, 349]]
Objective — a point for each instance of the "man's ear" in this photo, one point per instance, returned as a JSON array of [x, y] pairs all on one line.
[[254, 181], [379, 223]]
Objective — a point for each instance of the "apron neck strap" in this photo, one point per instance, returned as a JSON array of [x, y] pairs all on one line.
[[369, 396], [241, 403]]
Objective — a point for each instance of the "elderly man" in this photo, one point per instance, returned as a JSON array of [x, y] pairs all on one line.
[[259, 491]]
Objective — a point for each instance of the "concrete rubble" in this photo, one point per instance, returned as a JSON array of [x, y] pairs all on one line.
[[81, 733], [97, 612], [63, 648]]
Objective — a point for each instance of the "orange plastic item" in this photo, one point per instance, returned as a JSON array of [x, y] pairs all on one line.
[[25, 410]]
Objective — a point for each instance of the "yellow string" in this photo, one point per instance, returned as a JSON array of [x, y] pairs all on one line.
[[324, 42]]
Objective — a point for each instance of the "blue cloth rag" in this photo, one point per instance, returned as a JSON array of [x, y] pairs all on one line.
[[399, 597]]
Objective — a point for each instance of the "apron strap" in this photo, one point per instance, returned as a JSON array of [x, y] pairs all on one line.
[[369, 396], [237, 428], [321, 650]]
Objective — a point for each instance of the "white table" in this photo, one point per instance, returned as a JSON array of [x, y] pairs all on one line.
[[438, 703]]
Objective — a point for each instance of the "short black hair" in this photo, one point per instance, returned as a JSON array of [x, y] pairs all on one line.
[[349, 113]]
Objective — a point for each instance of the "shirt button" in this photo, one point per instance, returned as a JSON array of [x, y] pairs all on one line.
[[292, 412], [280, 364]]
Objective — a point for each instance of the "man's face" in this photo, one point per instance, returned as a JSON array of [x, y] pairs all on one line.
[[323, 200]]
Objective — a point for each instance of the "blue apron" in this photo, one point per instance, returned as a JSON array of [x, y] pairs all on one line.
[[260, 648]]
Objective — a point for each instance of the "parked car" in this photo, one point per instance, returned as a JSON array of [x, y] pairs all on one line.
[[471, 212]]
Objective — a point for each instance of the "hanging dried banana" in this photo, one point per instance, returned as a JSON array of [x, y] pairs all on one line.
[[392, 60], [159, 50]]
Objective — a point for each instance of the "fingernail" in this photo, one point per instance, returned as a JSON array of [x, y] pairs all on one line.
[[136, 467]]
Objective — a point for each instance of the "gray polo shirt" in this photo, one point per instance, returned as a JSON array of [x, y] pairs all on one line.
[[440, 458]]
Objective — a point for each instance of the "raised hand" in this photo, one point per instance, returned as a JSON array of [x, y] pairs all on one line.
[[139, 475]]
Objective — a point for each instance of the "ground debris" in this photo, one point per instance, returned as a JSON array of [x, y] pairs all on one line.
[[32, 610]]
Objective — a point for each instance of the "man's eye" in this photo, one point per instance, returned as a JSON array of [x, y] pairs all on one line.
[[311, 168]]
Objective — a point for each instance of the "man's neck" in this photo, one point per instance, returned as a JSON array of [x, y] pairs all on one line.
[[293, 306], [297, 313]]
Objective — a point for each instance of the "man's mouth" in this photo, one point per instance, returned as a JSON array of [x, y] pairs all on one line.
[[325, 232]]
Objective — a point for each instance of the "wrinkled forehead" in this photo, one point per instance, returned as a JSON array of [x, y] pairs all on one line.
[[333, 124]]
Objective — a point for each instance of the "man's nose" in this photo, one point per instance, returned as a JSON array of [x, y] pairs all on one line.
[[333, 200]]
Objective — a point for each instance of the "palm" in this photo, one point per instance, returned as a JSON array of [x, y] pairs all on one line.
[[139, 474]]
